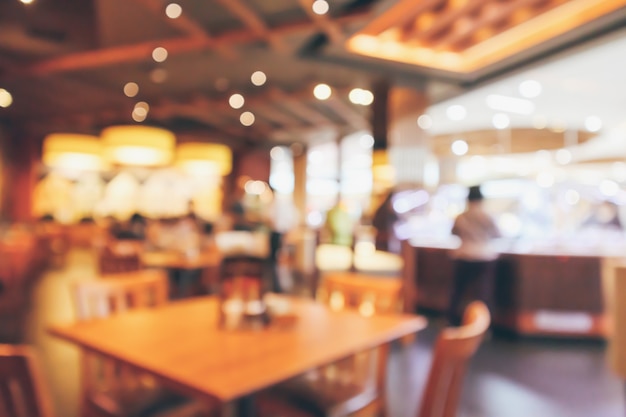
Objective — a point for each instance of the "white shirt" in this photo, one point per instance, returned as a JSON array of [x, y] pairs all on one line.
[[476, 229]]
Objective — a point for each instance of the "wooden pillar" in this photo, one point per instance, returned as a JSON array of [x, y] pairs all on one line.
[[401, 147], [20, 155], [299, 186]]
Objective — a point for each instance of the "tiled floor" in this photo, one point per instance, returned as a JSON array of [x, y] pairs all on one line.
[[507, 378]]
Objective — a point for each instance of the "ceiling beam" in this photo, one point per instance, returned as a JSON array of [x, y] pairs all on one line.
[[142, 51], [346, 112], [326, 24], [184, 24], [275, 115], [401, 14], [254, 22], [443, 21], [294, 105], [500, 13]]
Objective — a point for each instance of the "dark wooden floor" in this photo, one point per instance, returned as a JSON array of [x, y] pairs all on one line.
[[507, 378]]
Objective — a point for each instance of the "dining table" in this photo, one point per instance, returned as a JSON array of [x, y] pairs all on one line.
[[183, 345]]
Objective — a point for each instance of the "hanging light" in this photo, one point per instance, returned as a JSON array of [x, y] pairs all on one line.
[[138, 145], [72, 151], [205, 157]]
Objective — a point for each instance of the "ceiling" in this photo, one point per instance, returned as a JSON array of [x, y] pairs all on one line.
[[65, 62], [583, 82]]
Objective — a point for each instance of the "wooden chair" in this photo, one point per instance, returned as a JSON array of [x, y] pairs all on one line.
[[110, 389], [22, 391], [453, 349], [121, 257], [355, 384]]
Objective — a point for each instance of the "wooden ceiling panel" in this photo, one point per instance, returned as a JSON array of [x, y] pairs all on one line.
[[464, 36], [75, 80]]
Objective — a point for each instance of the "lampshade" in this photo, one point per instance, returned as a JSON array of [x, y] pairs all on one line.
[[138, 145], [72, 151], [196, 155]]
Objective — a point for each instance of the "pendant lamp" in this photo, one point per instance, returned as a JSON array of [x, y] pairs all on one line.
[[138, 145], [205, 157], [72, 151]]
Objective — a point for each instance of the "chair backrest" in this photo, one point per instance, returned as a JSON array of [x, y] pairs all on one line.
[[119, 257], [120, 292], [22, 389], [369, 294], [453, 349], [111, 295]]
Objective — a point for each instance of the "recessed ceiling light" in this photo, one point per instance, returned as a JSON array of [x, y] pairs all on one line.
[[425, 121], [159, 54], [5, 98], [246, 118], [322, 91], [142, 105], [593, 123], [609, 188], [26, 1], [510, 104], [139, 115], [131, 89], [563, 156], [459, 147], [361, 97], [278, 153], [456, 112], [236, 101], [173, 10], [258, 78], [320, 7], [530, 88], [500, 121]]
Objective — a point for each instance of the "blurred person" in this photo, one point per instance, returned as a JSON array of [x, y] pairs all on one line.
[[475, 258], [383, 221], [282, 218], [605, 216], [340, 225]]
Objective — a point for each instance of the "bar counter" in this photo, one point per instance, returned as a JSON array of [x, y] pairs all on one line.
[[554, 291]]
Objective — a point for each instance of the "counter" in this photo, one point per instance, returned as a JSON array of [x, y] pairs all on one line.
[[557, 292]]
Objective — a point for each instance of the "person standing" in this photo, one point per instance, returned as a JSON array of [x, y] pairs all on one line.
[[384, 221], [475, 258]]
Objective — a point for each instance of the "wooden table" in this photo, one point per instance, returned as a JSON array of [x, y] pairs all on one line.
[[176, 260], [181, 344]]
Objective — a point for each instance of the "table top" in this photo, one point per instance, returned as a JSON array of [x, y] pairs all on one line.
[[171, 259], [182, 345]]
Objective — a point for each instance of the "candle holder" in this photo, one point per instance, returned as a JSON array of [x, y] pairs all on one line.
[[242, 305]]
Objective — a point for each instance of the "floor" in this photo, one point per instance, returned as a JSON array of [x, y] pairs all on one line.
[[507, 378]]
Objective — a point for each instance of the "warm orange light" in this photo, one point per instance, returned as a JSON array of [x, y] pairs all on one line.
[[380, 39], [138, 145], [204, 158], [71, 151]]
